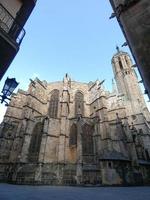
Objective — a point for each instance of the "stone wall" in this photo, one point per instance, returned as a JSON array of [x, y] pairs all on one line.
[[107, 146]]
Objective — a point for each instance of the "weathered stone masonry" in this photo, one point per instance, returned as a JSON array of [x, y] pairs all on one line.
[[68, 133]]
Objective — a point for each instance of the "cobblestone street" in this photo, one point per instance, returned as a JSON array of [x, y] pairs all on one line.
[[20, 192]]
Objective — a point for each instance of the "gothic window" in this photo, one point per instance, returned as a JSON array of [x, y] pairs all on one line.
[[120, 63], [53, 105], [87, 140], [73, 135], [79, 103], [127, 61], [35, 143]]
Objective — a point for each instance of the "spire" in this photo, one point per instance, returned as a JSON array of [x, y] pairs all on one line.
[[66, 75], [66, 78], [67, 81]]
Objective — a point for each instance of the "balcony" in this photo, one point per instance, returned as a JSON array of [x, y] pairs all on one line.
[[10, 27]]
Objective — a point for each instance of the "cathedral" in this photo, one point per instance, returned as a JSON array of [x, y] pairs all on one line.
[[73, 133]]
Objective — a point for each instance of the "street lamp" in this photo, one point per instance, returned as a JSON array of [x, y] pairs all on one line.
[[9, 87]]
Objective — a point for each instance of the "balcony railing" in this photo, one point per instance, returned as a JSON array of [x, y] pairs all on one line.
[[9, 25]]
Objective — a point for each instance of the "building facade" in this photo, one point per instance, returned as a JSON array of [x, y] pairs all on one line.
[[134, 19], [13, 16], [72, 133]]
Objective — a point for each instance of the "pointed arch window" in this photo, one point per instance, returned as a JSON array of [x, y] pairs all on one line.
[[87, 140], [79, 103], [53, 105], [127, 62], [35, 142], [120, 63], [73, 135]]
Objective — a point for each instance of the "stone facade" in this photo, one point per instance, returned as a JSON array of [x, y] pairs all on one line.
[[72, 133]]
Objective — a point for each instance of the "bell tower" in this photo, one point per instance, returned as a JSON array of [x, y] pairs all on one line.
[[126, 79]]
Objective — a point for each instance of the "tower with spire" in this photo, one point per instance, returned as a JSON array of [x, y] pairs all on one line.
[[127, 81]]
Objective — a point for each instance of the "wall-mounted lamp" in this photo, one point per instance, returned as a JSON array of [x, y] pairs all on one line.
[[8, 88]]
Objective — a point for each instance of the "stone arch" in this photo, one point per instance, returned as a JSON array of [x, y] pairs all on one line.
[[79, 103], [53, 104], [35, 142], [73, 135]]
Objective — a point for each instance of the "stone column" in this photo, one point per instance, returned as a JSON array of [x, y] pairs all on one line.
[[26, 141], [103, 123], [79, 173], [120, 136], [44, 141], [62, 138], [130, 142], [97, 136], [63, 133]]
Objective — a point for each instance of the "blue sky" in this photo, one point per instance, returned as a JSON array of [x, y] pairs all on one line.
[[69, 36]]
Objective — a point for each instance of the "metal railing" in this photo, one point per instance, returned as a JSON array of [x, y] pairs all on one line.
[[10, 26]]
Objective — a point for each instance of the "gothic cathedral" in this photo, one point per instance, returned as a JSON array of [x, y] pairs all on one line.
[[72, 133]]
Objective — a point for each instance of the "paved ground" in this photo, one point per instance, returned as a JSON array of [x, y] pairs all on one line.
[[15, 192]]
